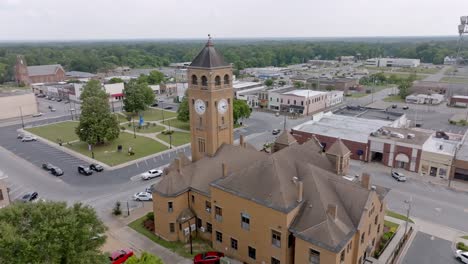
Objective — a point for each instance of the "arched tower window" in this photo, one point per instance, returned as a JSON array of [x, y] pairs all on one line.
[[194, 79], [226, 79], [204, 81], [217, 80]]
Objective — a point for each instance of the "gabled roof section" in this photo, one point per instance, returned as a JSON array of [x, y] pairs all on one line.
[[338, 148], [43, 69], [285, 138], [209, 57]]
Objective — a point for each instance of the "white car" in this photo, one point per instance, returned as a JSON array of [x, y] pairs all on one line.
[[462, 256], [143, 196], [37, 114], [398, 176], [151, 174], [28, 138]]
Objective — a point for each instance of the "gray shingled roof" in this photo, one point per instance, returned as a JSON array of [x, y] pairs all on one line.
[[338, 148], [209, 57], [285, 138], [43, 69]]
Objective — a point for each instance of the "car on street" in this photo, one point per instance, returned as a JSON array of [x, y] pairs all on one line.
[[168, 107], [20, 135], [405, 107], [28, 138], [47, 166], [462, 256], [151, 174], [37, 114], [210, 257], [96, 167], [143, 196], [149, 190], [85, 170], [398, 176], [120, 256], [276, 131], [53, 99], [29, 197], [53, 110], [59, 100], [394, 106], [56, 171]]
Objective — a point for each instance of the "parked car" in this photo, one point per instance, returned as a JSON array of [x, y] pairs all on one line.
[[53, 99], [168, 107], [59, 100], [149, 190], [85, 170], [405, 107], [53, 110], [394, 106], [211, 257], [398, 176], [151, 174], [96, 167], [143, 196], [120, 256], [462, 256], [20, 135], [47, 166], [37, 114], [29, 197], [56, 171], [66, 102], [276, 131], [28, 138]]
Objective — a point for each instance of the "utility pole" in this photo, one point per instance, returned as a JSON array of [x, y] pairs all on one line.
[[21, 113], [408, 202], [162, 110]]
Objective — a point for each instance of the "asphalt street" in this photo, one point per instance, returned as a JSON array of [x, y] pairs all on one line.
[[427, 249]]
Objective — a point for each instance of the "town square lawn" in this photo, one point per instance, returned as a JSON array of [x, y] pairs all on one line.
[[178, 138], [177, 124], [156, 114], [107, 153], [64, 131]]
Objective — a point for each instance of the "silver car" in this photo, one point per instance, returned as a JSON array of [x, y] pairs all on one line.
[[28, 138], [398, 176]]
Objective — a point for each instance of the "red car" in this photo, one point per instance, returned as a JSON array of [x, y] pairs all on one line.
[[211, 257], [120, 256]]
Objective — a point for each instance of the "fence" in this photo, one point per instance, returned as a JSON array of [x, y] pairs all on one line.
[[395, 253]]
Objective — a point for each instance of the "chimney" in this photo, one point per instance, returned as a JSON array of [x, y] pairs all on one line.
[[332, 211], [242, 144], [365, 180], [178, 164], [224, 167], [300, 191]]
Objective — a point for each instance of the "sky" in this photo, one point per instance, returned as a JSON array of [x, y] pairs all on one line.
[[168, 19]]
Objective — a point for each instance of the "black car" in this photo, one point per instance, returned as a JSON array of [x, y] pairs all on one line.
[[276, 131], [84, 170], [59, 100], [394, 106], [155, 104], [405, 107], [29, 197], [96, 167], [168, 107], [56, 171], [47, 166]]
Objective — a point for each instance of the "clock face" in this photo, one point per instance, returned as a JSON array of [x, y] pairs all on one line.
[[222, 106], [200, 107]]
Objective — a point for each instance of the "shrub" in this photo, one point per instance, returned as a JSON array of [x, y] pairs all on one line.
[[167, 132], [150, 216], [129, 124], [462, 246], [387, 236], [117, 210], [122, 128]]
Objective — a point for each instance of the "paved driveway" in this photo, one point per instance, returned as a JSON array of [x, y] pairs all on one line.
[[427, 249]]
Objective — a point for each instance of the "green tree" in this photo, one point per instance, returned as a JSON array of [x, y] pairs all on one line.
[[183, 113], [393, 79], [97, 124], [404, 89], [298, 84], [93, 89], [155, 77], [282, 83], [51, 232], [329, 87], [145, 258], [116, 80], [137, 97], [268, 82], [240, 110]]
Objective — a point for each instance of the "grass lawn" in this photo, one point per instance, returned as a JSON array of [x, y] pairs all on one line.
[[177, 247], [403, 75], [455, 80], [108, 154], [121, 118], [144, 129], [64, 130], [464, 237], [398, 216], [156, 114], [394, 99], [177, 124], [178, 138]]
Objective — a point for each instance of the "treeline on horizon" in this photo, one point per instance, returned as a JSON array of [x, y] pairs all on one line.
[[103, 56]]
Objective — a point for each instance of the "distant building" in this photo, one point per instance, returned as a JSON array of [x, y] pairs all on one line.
[[37, 74], [347, 59], [393, 62], [115, 91], [274, 96], [438, 154], [432, 99], [334, 98], [302, 101], [450, 60]]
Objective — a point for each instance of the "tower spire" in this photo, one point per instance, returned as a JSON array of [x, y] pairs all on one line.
[[209, 42]]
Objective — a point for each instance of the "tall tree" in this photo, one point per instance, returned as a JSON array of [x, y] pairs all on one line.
[[183, 113], [404, 88], [240, 110], [145, 258], [268, 82], [137, 97], [155, 77], [116, 80], [51, 232], [97, 124]]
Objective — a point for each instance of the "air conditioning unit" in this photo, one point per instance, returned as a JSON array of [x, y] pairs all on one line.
[[202, 229]]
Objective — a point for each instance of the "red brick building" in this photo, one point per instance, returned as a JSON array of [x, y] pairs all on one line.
[[37, 74]]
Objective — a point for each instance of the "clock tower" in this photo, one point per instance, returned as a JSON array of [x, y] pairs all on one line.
[[210, 99]]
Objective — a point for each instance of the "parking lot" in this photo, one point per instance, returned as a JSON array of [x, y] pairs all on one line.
[[427, 249]]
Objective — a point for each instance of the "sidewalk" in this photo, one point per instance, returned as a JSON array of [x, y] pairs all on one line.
[[122, 236]]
